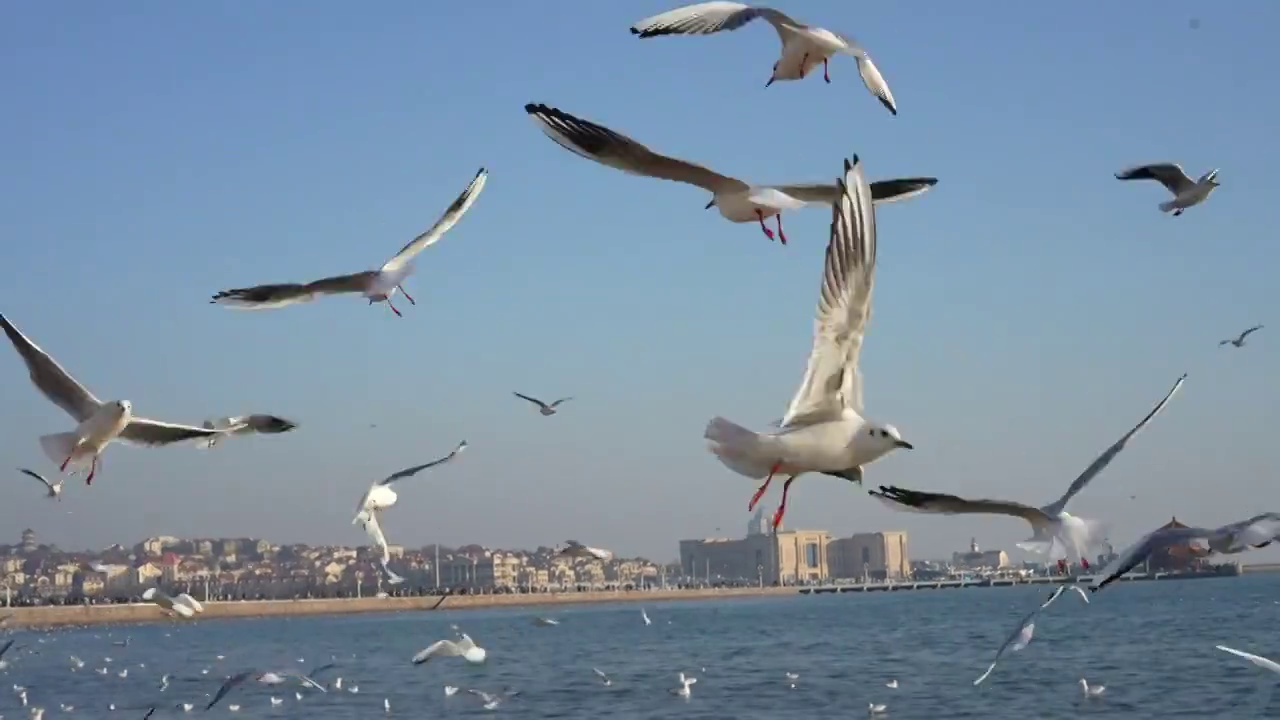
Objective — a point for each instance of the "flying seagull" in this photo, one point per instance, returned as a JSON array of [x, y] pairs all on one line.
[[246, 425], [1021, 636], [575, 549], [1054, 530], [54, 488], [99, 422], [1239, 341], [178, 606], [1264, 663], [544, 408], [1257, 532], [377, 285], [737, 201], [464, 647], [227, 686], [824, 429], [1186, 192], [493, 700], [380, 496], [803, 46]]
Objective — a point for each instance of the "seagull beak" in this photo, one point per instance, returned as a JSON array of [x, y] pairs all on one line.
[[905, 445], [710, 204]]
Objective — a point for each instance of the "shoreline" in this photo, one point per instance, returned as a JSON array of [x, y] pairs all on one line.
[[52, 616]]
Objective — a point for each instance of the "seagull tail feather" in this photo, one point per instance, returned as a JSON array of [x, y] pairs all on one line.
[[741, 450]]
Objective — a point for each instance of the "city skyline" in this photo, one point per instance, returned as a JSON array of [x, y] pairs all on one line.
[[1028, 309]]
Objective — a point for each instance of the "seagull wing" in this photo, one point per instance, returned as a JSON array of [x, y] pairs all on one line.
[[940, 503], [1017, 640], [37, 476], [1258, 660], [600, 673], [1257, 531], [710, 17], [599, 143], [419, 468], [485, 697], [873, 80], [464, 643], [49, 377], [1169, 175], [316, 671], [5, 648], [832, 381], [227, 686], [1103, 460], [1133, 555], [443, 648], [561, 401], [450, 218], [533, 400], [153, 433], [882, 191], [1249, 332], [374, 529], [266, 297]]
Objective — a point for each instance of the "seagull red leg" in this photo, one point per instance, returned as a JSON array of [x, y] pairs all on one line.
[[1084, 563], [760, 491], [782, 506], [803, 61], [393, 308], [767, 232], [781, 235], [826, 75], [93, 468], [63, 466], [407, 296]]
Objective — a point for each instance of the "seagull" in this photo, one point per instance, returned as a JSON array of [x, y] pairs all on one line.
[[465, 646], [1186, 192], [1017, 640], [1057, 592], [377, 285], [737, 201], [493, 700], [575, 549], [685, 684], [55, 488], [544, 408], [99, 422], [227, 686], [824, 430], [1256, 532], [1091, 690], [892, 684], [450, 690], [876, 709], [246, 425], [604, 678], [380, 496], [173, 605], [192, 603], [1054, 530], [1239, 341], [1258, 660], [645, 616], [545, 621], [803, 46]]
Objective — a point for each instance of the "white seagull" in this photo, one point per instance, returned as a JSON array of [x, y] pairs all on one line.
[[736, 200], [54, 488], [1257, 532], [493, 700], [686, 683], [544, 408], [377, 285], [803, 46], [1054, 531], [380, 496], [604, 677], [1186, 192], [1091, 690], [99, 422], [575, 549], [246, 425], [464, 647], [1239, 341], [1017, 640], [174, 605], [824, 429], [1264, 663]]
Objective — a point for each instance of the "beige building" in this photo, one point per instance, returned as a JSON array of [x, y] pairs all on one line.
[[788, 556], [979, 559], [871, 556]]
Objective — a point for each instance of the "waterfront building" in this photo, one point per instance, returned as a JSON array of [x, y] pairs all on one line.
[[870, 556]]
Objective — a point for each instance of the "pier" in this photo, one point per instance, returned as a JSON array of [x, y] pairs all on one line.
[[1225, 570]]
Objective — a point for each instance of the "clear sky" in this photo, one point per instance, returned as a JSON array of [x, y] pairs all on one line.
[[1028, 310]]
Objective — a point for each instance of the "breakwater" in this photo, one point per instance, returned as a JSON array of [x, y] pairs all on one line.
[[1227, 570]]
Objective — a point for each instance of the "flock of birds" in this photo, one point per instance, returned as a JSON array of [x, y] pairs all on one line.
[[824, 429]]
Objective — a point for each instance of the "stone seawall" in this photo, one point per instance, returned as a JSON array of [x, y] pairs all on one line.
[[55, 616]]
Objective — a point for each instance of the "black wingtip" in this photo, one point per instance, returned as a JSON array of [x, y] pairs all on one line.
[[636, 32], [535, 108]]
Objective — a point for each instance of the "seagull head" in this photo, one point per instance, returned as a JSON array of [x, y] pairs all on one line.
[[889, 435], [124, 405], [1212, 178], [711, 204], [273, 424]]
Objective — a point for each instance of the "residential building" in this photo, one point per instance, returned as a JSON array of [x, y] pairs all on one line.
[[870, 556]]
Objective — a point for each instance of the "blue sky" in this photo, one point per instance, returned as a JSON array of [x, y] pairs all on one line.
[[1028, 310]]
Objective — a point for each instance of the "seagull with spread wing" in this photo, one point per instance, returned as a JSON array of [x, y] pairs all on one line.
[[736, 200], [1186, 192], [380, 496], [54, 488], [544, 408], [246, 425], [99, 423], [824, 429], [377, 285], [1055, 531], [1239, 341], [803, 46], [463, 647], [575, 549]]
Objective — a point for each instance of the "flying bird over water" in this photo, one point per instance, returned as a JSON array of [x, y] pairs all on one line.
[[1239, 341], [99, 422], [377, 285], [824, 429], [1186, 192], [54, 488], [736, 200], [803, 46], [464, 647], [380, 496], [1054, 531], [544, 408], [575, 549], [228, 686], [246, 425]]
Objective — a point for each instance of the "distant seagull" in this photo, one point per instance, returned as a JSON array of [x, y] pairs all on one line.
[[1186, 192], [645, 616], [166, 602], [1057, 592], [55, 489], [544, 408], [545, 622], [99, 422], [377, 285], [604, 678], [464, 647], [1055, 531], [228, 686], [575, 549], [686, 683], [824, 429], [737, 201], [1239, 341], [876, 708], [892, 684], [246, 425], [380, 496], [1091, 690], [1258, 660], [1257, 532], [803, 46], [493, 700]]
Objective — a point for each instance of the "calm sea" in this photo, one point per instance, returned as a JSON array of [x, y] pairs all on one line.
[[1150, 643]]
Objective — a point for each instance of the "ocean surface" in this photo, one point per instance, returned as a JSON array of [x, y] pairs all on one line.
[[1150, 643]]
